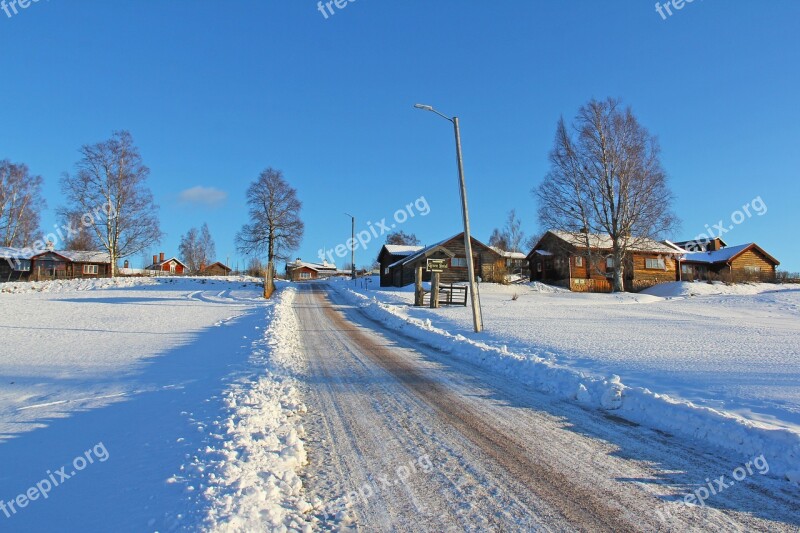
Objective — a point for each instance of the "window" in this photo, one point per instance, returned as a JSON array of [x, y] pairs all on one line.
[[172, 267], [386, 271], [609, 262], [305, 275], [579, 261], [752, 269], [655, 264], [458, 262], [538, 267], [90, 269], [21, 265], [686, 269]]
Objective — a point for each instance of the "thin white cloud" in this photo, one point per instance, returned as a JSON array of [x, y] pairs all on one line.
[[208, 196]]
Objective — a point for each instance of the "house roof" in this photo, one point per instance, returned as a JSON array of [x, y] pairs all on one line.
[[158, 265], [15, 253], [220, 264], [319, 267], [698, 243], [80, 256], [402, 249], [725, 255], [508, 255], [604, 242], [428, 250]]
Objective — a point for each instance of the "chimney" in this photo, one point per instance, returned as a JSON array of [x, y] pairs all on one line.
[[161, 257], [125, 264], [155, 259]]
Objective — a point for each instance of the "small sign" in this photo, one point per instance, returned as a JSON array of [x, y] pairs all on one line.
[[436, 265]]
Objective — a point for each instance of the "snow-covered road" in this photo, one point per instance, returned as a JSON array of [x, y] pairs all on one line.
[[402, 437]]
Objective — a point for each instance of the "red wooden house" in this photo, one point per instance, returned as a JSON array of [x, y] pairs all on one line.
[[173, 265]]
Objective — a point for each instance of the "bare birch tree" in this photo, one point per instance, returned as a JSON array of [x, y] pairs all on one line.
[[511, 236], [275, 226], [109, 190], [197, 248], [606, 178], [20, 205]]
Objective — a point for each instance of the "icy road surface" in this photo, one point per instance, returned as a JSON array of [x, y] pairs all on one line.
[[401, 437]]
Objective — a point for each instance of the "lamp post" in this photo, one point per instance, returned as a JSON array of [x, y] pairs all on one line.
[[477, 317], [352, 244]]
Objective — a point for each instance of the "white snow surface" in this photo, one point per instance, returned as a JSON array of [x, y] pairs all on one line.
[[187, 382], [712, 362]]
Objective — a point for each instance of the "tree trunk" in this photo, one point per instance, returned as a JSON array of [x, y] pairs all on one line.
[[619, 271], [269, 280]]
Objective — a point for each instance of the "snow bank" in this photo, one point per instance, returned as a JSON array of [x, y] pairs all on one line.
[[253, 475], [683, 289], [70, 285], [781, 447]]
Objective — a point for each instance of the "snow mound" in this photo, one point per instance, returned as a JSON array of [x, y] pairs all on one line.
[[254, 482], [538, 286], [684, 289]]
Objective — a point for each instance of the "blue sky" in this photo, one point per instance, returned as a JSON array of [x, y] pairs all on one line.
[[213, 92]]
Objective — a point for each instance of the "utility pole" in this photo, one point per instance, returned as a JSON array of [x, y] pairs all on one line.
[[477, 316], [352, 245]]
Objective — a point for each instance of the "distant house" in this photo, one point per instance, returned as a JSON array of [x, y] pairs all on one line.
[[488, 263], [15, 264], [300, 270], [562, 258], [515, 262], [215, 269], [172, 265], [390, 254], [744, 262], [68, 264]]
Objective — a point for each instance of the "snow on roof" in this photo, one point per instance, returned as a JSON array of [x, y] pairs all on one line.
[[313, 266], [604, 242], [401, 249], [15, 253], [719, 256], [422, 251], [84, 256], [507, 254], [158, 265]]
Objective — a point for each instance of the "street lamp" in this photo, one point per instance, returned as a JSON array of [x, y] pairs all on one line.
[[352, 244], [477, 318]]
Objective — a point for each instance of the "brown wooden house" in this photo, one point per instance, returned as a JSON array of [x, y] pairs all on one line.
[[70, 264], [300, 270], [488, 263], [390, 254], [563, 258], [215, 269], [745, 262]]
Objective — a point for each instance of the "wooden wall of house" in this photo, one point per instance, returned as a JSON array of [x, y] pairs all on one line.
[[754, 259], [297, 271], [658, 275]]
